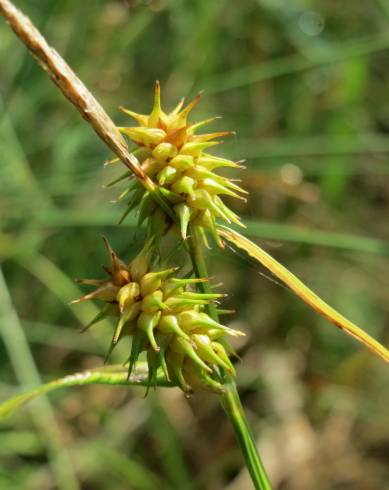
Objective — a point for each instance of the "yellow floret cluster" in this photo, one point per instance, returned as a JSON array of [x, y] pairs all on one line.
[[165, 319], [175, 157]]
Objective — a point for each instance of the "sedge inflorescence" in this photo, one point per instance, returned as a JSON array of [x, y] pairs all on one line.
[[166, 319], [175, 157]]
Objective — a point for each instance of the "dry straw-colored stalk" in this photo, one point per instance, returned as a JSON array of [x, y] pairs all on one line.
[[72, 87]]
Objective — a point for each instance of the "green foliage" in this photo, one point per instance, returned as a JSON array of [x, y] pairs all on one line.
[[311, 115]]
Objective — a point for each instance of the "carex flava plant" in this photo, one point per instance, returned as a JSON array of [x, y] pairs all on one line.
[[174, 183]]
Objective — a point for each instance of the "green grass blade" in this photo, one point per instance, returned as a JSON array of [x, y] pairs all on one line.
[[302, 291], [115, 375], [174, 461], [27, 374], [296, 234], [313, 58]]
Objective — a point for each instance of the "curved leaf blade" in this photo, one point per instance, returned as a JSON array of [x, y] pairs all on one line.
[[301, 290], [115, 375]]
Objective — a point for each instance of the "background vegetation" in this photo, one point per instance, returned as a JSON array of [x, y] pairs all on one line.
[[305, 84]]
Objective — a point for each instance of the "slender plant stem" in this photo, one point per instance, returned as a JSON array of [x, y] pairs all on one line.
[[230, 400], [233, 408], [200, 266], [79, 95]]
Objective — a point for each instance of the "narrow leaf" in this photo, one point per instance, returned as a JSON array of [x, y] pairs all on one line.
[[302, 290], [115, 375]]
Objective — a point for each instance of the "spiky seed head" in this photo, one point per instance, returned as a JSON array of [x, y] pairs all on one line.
[[176, 158], [164, 316]]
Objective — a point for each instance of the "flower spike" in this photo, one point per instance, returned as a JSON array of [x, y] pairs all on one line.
[[176, 158], [165, 316]]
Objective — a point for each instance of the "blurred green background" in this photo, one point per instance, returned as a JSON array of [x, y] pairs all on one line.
[[305, 85]]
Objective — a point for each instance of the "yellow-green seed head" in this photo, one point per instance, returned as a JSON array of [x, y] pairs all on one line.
[[164, 316], [175, 157]]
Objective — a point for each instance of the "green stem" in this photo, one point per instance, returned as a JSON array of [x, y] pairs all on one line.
[[233, 408], [230, 400], [200, 267]]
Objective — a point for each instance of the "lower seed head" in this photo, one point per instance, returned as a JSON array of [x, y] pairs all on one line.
[[163, 315]]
